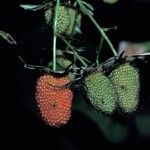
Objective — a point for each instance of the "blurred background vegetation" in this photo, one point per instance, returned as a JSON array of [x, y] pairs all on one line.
[[87, 129]]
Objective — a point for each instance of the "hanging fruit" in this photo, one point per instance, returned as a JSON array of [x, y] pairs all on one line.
[[101, 92], [126, 81], [54, 99], [67, 20]]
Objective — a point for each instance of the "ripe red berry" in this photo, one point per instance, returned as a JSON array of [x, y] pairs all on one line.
[[54, 99]]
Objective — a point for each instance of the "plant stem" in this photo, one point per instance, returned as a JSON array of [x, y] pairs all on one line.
[[104, 35], [54, 53], [73, 49], [55, 37], [98, 50], [87, 12]]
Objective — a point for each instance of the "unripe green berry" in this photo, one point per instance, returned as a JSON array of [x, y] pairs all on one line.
[[101, 92], [126, 81]]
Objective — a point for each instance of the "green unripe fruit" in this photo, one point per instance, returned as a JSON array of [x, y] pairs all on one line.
[[126, 81], [72, 15], [67, 19], [63, 62], [63, 20], [48, 16], [101, 92], [75, 20]]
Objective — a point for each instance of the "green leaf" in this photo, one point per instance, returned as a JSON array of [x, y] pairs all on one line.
[[84, 9], [111, 28], [88, 5], [110, 1], [77, 30], [69, 52], [81, 49], [32, 7], [8, 37]]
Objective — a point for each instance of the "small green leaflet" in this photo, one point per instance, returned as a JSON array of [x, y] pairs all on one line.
[[110, 1], [8, 37], [69, 52], [88, 5], [78, 30], [111, 28], [81, 49], [32, 7], [83, 8]]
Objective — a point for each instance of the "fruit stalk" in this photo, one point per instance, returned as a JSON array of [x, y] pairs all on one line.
[[98, 50], [55, 37]]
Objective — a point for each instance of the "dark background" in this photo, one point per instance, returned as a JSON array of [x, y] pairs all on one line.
[[21, 126]]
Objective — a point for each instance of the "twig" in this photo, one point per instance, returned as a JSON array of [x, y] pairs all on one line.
[[33, 67], [104, 35], [99, 49], [73, 49]]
